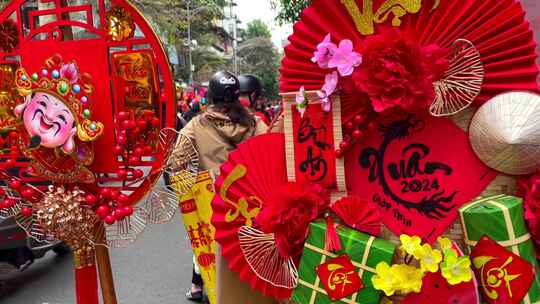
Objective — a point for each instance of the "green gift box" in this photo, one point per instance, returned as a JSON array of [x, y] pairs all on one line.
[[501, 218], [365, 252]]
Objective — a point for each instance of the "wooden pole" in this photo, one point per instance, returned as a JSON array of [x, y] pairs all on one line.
[[105, 275]]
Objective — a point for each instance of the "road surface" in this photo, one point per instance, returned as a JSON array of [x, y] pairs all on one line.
[[154, 270]]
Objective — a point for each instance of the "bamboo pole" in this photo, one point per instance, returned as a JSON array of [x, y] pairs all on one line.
[[105, 270]]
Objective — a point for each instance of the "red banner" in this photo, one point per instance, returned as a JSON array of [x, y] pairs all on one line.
[[315, 161], [418, 171], [311, 140]]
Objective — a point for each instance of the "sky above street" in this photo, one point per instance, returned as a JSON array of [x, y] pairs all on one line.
[[248, 10]]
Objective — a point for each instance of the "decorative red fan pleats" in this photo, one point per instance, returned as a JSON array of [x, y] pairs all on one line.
[[497, 28], [263, 158]]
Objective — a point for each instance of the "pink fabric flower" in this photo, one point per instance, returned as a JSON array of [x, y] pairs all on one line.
[[345, 59], [69, 72], [325, 52], [329, 87], [301, 102]]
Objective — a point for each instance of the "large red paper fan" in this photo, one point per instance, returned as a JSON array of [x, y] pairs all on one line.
[[497, 28], [262, 163]]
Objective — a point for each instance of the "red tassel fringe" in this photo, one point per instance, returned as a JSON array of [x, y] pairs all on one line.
[[332, 242], [86, 285]]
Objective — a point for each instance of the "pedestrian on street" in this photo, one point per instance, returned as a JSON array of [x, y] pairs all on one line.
[[216, 132]]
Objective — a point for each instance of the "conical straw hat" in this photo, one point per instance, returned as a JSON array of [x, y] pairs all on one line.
[[505, 133]]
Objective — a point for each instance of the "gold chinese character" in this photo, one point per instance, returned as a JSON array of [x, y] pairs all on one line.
[[366, 18], [338, 277], [241, 208], [494, 277]]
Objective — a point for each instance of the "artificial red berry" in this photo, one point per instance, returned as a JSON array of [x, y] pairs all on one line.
[[105, 192], [138, 151], [2, 191], [349, 125], [102, 211], [115, 194], [15, 184], [9, 203], [127, 210], [27, 193], [123, 116], [155, 122], [142, 124], [122, 139], [148, 149], [118, 215], [338, 153], [91, 199], [123, 199], [110, 219], [118, 150], [138, 173], [358, 119], [122, 174], [26, 211], [134, 160], [344, 145], [357, 134], [10, 162], [136, 132]]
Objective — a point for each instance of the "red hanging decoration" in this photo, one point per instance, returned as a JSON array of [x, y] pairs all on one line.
[[331, 238], [9, 35]]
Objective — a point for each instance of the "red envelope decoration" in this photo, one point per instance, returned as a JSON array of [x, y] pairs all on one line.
[[339, 278], [504, 277], [418, 171]]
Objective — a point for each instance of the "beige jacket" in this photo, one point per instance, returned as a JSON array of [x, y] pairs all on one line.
[[214, 136]]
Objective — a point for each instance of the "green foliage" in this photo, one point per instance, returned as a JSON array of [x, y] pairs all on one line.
[[257, 28], [260, 57], [171, 16], [289, 10]]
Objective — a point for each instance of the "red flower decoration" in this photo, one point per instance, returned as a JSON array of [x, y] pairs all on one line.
[[529, 188], [9, 35], [288, 213], [398, 72]]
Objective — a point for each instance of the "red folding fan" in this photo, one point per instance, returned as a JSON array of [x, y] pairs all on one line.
[[247, 179], [496, 28]]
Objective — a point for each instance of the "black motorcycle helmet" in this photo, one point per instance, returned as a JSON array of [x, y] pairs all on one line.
[[223, 87], [250, 85]]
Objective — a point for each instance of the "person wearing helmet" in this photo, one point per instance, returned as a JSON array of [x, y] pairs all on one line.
[[250, 91], [213, 134]]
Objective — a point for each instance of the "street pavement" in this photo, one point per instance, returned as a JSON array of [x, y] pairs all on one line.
[[154, 270]]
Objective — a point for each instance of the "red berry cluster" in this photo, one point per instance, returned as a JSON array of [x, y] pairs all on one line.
[[137, 137], [9, 145], [26, 193], [111, 205], [355, 130]]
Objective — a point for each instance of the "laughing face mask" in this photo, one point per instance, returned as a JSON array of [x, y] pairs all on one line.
[[49, 122]]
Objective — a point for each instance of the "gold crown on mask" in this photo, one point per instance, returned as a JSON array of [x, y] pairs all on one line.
[[64, 81]]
